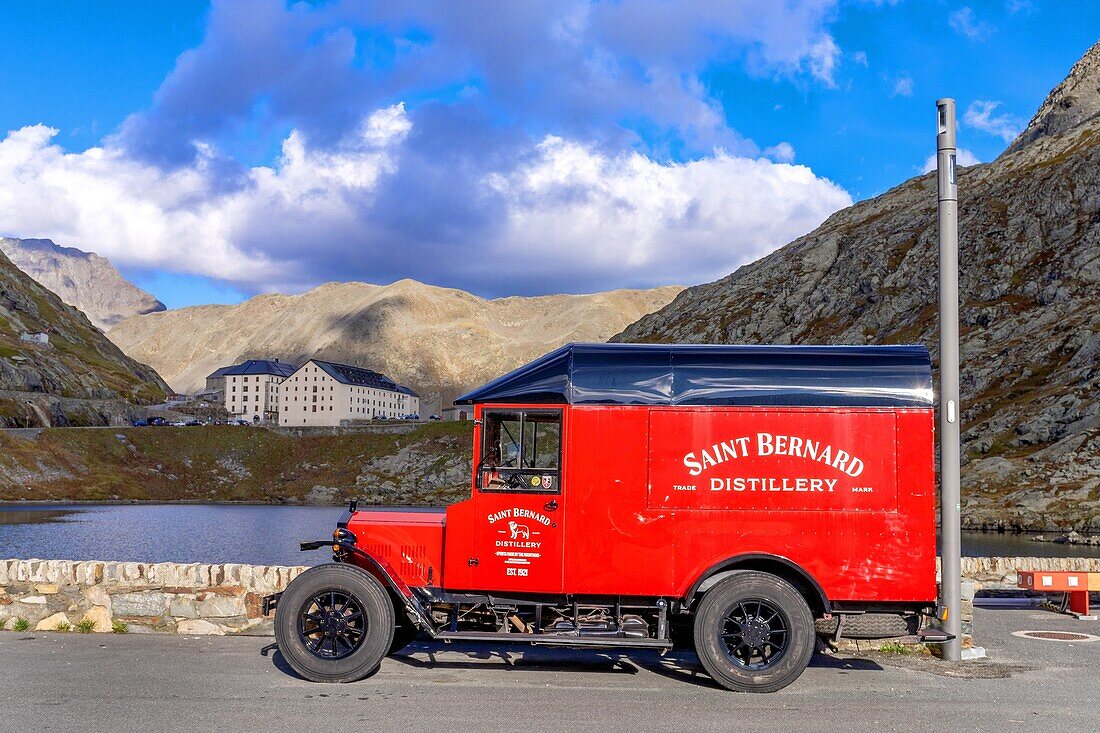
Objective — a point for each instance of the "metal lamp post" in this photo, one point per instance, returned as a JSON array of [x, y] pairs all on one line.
[[950, 523]]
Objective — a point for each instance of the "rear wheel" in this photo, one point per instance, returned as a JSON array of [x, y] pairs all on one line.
[[334, 623], [754, 632]]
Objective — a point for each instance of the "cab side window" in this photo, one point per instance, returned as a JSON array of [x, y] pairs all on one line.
[[520, 451]]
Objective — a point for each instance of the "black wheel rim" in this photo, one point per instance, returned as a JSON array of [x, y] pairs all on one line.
[[332, 624], [755, 634]]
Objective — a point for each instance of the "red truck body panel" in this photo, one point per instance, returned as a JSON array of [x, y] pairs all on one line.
[[650, 498], [633, 520], [411, 542]]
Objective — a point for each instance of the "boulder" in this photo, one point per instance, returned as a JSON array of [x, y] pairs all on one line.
[[50, 623], [198, 627], [101, 617]]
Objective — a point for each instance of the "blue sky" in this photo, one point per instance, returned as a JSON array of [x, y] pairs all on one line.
[[214, 152]]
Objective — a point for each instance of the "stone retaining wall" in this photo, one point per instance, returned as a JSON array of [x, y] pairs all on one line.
[[225, 599], [1000, 572], [146, 597]]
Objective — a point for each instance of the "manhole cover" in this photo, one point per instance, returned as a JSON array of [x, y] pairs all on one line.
[[1056, 636]]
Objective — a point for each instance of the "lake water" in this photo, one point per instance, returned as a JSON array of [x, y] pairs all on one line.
[[262, 534]]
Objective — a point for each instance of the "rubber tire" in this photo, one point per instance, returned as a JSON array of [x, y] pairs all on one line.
[[721, 598], [403, 635], [377, 607], [871, 626]]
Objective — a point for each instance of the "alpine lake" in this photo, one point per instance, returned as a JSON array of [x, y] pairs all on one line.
[[261, 534]]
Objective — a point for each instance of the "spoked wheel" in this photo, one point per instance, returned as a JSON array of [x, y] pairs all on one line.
[[754, 632], [334, 623]]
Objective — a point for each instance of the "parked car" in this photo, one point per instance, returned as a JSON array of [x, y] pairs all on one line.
[[139, 423], [757, 496], [434, 417], [158, 421], [193, 423]]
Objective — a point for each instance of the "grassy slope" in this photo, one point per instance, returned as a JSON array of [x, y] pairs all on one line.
[[213, 463]]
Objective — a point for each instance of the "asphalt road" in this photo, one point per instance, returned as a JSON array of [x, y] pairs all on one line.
[[91, 683]]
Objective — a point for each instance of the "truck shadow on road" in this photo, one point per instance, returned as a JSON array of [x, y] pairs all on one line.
[[679, 664]]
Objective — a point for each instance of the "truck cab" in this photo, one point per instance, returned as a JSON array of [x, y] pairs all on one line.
[[751, 497]]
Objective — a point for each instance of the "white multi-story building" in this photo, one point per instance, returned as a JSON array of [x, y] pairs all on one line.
[[252, 388], [320, 393]]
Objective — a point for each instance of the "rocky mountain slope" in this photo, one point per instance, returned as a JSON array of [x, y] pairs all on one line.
[[1029, 226], [81, 279], [429, 337], [79, 377]]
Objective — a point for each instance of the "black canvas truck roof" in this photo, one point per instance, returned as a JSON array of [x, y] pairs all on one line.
[[692, 374]]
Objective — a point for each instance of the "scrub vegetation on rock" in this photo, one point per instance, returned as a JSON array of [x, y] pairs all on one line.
[[78, 378], [427, 465]]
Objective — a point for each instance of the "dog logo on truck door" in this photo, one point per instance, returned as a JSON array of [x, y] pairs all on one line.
[[519, 530]]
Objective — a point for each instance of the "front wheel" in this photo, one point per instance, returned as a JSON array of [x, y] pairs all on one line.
[[754, 632], [334, 623]]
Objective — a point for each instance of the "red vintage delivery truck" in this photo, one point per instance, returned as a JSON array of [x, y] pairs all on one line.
[[756, 496]]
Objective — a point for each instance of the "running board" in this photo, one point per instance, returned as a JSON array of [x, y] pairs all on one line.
[[934, 636], [554, 640]]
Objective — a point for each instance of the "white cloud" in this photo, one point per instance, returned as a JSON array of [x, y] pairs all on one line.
[[822, 59], [903, 86], [964, 22], [860, 57], [781, 153], [573, 206], [184, 220], [566, 217], [981, 115], [962, 157]]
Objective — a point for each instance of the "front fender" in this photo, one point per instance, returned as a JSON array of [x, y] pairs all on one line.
[[380, 569]]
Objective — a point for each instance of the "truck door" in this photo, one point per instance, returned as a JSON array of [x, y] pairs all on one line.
[[519, 501]]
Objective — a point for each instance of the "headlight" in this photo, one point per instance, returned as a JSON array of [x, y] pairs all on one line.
[[344, 535]]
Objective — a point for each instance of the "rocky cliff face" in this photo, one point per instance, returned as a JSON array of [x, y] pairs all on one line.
[[428, 337], [79, 377], [1029, 226], [81, 279]]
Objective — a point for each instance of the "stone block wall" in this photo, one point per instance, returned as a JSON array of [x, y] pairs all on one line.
[[225, 599], [147, 597], [1000, 572]]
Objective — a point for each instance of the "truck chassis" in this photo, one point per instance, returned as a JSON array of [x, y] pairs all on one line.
[[757, 641]]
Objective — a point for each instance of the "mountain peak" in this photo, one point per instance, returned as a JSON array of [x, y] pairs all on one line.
[[84, 280], [1074, 101]]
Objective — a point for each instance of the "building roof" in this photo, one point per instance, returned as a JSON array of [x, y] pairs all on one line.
[[218, 373], [360, 377], [691, 374], [259, 366]]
